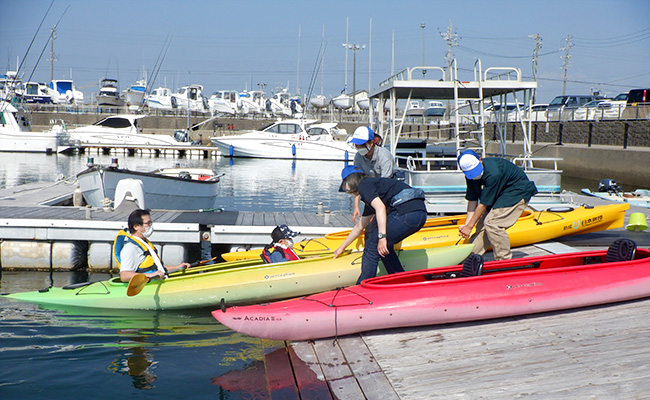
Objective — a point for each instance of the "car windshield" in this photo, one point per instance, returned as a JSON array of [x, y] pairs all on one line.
[[558, 101]]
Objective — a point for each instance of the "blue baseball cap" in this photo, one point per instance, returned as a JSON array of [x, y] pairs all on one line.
[[362, 135], [347, 171], [470, 163]]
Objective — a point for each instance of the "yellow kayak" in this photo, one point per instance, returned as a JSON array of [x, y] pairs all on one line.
[[531, 227]]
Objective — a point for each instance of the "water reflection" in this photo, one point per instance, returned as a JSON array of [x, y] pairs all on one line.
[[248, 184], [137, 362]]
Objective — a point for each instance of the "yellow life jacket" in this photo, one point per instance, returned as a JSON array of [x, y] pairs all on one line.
[[148, 265]]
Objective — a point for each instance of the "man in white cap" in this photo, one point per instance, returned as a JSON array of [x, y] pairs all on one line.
[[498, 192], [375, 161]]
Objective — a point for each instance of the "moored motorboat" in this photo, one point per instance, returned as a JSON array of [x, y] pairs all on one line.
[[120, 129], [531, 227], [288, 139], [494, 290], [167, 189], [16, 135], [240, 282], [609, 190]]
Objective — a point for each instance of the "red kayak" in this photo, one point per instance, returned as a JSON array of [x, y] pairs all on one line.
[[468, 292]]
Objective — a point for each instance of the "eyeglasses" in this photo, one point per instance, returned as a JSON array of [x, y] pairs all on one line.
[[148, 223]]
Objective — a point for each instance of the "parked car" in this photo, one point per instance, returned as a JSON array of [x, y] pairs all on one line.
[[638, 104], [588, 111], [611, 109], [561, 108]]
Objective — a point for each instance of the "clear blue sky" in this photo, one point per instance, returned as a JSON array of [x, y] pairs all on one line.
[[237, 44]]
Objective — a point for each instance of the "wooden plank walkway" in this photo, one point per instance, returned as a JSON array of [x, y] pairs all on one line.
[[598, 352]]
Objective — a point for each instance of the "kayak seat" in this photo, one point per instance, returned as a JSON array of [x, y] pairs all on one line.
[[472, 266], [621, 250]]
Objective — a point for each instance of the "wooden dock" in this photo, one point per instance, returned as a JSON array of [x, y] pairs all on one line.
[[41, 213], [600, 352]]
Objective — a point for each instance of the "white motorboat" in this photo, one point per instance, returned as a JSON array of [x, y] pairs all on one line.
[[109, 94], [120, 129], [134, 95], [319, 101], [432, 167], [282, 104], [435, 109], [15, 134], [342, 102], [414, 109], [252, 102], [161, 99], [34, 92], [191, 98], [63, 91], [165, 189], [223, 102], [288, 139]]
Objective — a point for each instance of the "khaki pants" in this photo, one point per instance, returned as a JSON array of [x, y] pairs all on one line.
[[491, 230]]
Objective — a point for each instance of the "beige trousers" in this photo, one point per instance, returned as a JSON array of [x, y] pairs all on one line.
[[491, 230]]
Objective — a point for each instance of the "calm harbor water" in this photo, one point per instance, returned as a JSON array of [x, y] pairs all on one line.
[[68, 353]]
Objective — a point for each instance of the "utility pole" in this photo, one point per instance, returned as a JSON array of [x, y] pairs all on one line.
[[424, 71], [538, 46], [52, 56], [452, 41], [567, 46]]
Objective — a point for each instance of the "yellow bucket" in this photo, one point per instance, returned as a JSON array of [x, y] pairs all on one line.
[[637, 222]]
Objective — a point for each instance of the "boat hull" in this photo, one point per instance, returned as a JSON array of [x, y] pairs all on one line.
[[531, 227], [161, 192], [265, 146], [453, 181], [242, 282], [558, 282], [639, 198]]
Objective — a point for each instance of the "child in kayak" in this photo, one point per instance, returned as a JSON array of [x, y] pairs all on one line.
[[280, 248]]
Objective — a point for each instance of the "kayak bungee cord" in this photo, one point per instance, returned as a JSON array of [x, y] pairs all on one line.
[[336, 314]]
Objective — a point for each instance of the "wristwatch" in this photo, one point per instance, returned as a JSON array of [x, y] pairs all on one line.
[[381, 235]]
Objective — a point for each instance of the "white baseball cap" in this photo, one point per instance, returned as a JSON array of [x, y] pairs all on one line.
[[362, 134], [470, 163]]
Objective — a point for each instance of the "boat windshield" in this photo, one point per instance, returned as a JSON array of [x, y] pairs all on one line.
[[114, 123], [63, 86], [284, 129]]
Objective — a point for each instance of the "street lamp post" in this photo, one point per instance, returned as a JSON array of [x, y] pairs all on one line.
[[354, 48], [424, 71]]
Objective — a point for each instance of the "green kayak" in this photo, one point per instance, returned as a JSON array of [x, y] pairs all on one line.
[[238, 282]]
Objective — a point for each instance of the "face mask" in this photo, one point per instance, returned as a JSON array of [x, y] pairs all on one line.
[[286, 246], [363, 151], [148, 231]]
